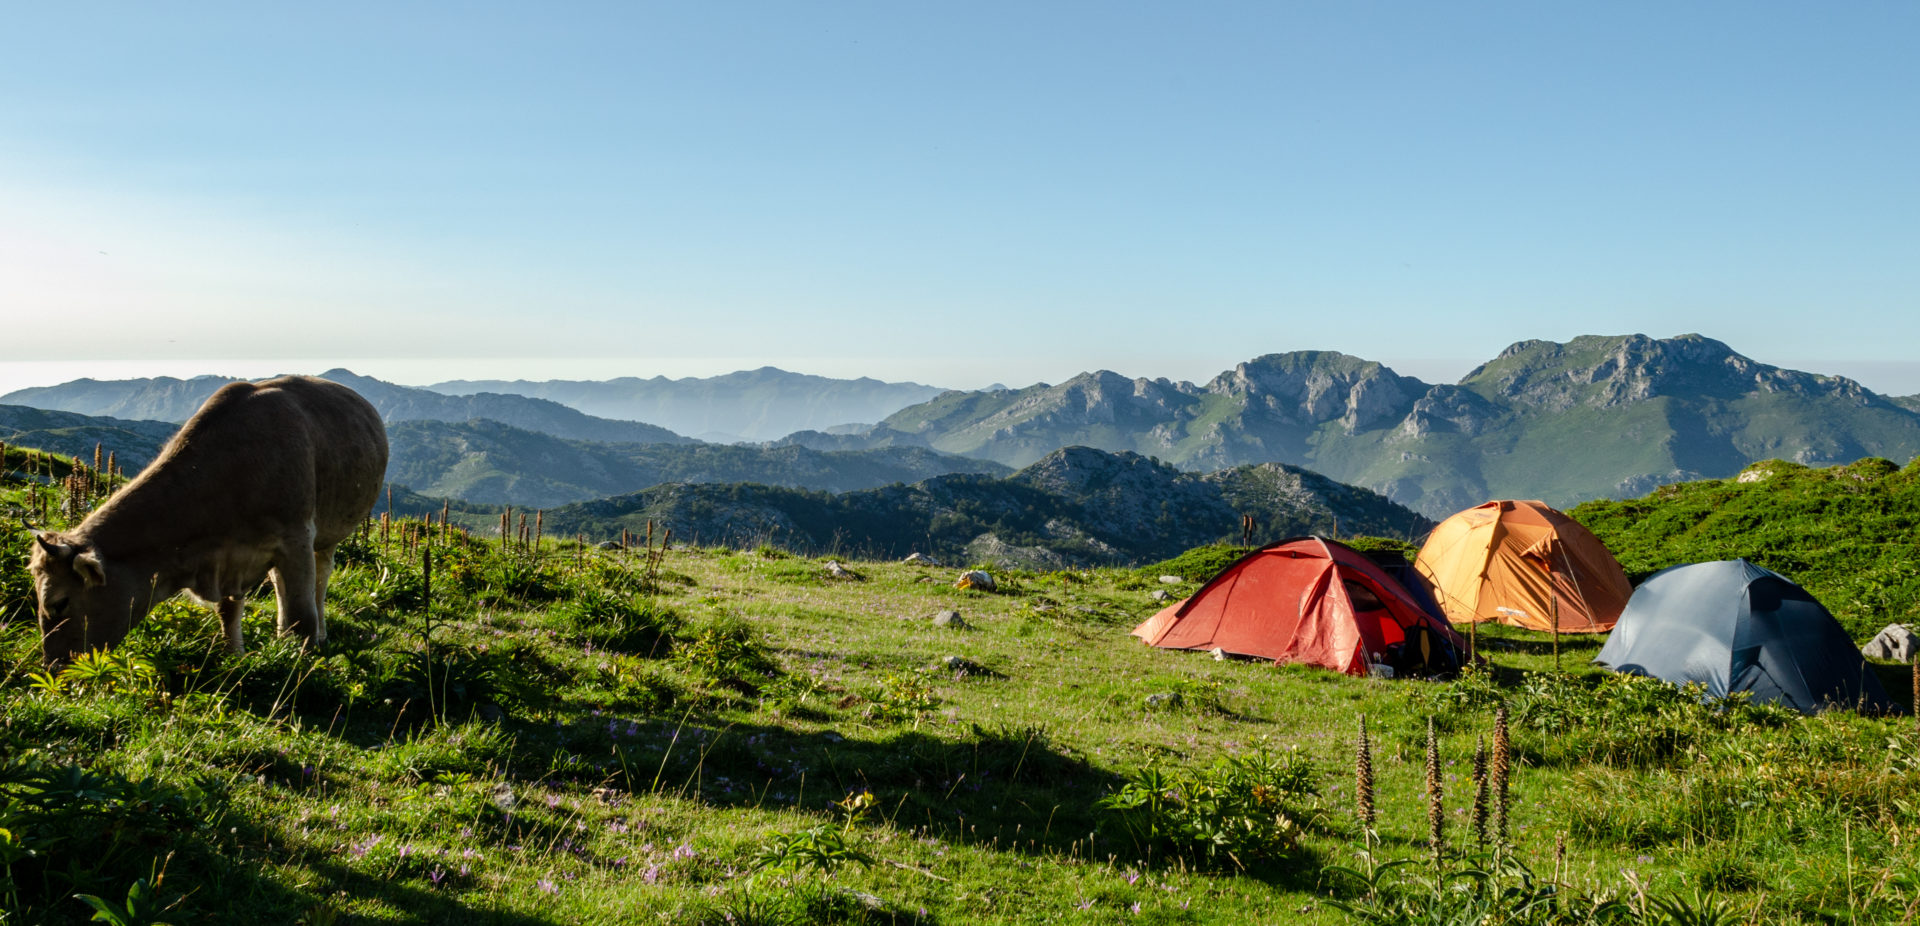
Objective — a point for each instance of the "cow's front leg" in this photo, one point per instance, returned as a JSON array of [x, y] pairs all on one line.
[[294, 579], [231, 609]]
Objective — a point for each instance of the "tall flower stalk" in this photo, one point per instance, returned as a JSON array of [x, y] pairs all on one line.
[[1478, 817], [1436, 813], [1363, 783], [1501, 762]]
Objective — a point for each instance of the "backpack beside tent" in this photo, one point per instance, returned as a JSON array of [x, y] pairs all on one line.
[[1308, 600], [1733, 626], [1525, 564]]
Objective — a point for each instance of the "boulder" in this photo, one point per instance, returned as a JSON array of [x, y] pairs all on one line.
[[1898, 643], [949, 619], [504, 798], [975, 579], [1161, 594], [1171, 580], [961, 664], [1164, 699], [838, 571], [921, 559]]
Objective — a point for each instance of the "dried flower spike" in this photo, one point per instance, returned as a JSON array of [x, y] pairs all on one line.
[[1436, 814], [1363, 779]]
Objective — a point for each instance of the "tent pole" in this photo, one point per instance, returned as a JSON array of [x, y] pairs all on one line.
[[1554, 610]]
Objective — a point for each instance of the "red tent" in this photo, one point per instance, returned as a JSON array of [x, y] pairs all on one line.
[[1308, 600]]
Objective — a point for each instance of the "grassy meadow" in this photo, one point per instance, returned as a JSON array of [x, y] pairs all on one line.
[[558, 733]]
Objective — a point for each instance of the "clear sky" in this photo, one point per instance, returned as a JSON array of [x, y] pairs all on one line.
[[952, 193]]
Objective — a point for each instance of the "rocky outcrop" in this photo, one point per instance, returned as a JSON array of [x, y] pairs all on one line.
[[1447, 410]]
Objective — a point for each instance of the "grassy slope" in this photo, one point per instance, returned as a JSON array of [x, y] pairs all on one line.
[[642, 773], [1845, 532]]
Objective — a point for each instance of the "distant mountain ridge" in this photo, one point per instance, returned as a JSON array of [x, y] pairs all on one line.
[[133, 444], [1598, 416], [165, 398], [750, 405], [489, 462]]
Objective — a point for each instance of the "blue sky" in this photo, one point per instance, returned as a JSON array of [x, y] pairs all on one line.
[[950, 193]]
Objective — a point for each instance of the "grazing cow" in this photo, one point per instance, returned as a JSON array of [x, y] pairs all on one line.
[[264, 480]]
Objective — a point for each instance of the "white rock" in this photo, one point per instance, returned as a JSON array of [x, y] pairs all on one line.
[[1171, 580], [1897, 642]]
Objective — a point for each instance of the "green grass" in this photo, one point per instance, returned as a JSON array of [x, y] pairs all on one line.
[[581, 743]]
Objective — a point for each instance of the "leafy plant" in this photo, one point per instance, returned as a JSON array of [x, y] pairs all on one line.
[[1245, 808], [1493, 890], [822, 848], [140, 909], [726, 654], [903, 696]]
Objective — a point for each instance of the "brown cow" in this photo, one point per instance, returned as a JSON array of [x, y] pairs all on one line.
[[264, 480]]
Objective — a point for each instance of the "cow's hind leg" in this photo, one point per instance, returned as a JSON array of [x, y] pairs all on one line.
[[294, 584], [232, 608], [322, 573]]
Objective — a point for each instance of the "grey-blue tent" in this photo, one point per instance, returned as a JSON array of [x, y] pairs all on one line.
[[1733, 626]]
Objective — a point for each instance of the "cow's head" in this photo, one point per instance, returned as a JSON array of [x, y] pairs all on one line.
[[85, 603]]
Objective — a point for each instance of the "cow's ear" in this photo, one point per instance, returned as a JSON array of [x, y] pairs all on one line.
[[87, 566]]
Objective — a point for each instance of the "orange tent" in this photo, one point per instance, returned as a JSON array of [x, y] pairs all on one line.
[[1525, 564], [1312, 601]]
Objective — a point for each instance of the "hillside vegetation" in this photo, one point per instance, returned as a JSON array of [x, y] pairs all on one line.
[[525, 735], [1846, 533], [1076, 507]]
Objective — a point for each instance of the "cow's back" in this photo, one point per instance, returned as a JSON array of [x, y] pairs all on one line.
[[257, 460], [347, 443]]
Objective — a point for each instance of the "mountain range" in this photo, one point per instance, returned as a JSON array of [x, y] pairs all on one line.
[[486, 461], [1592, 418], [165, 398], [750, 405], [1596, 417]]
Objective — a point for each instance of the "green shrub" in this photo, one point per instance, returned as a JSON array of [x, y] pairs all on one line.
[[1196, 565]]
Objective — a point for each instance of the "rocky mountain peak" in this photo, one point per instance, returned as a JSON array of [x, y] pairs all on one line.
[[1314, 387], [1611, 371]]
